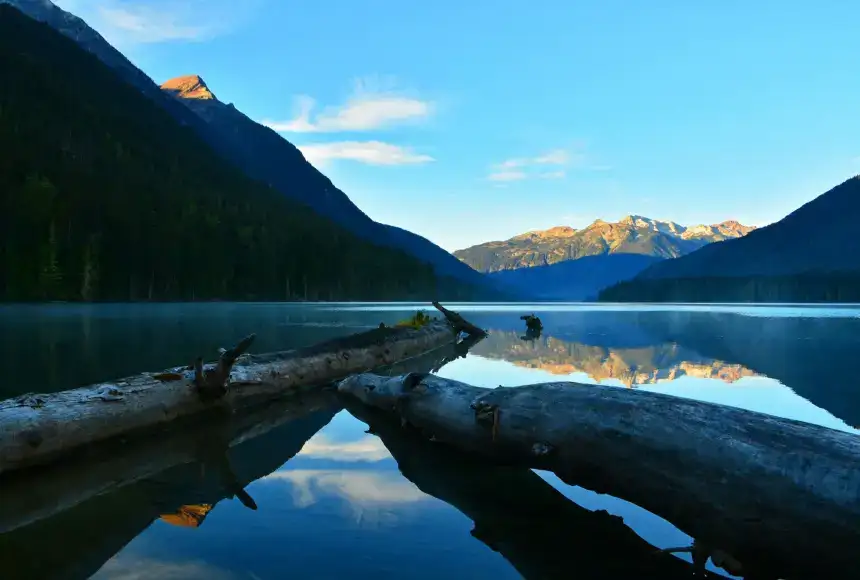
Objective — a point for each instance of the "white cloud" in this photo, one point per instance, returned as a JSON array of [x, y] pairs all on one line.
[[367, 109], [557, 157], [362, 114], [128, 22], [553, 175], [520, 168], [507, 176], [129, 567], [368, 152], [357, 487], [368, 448]]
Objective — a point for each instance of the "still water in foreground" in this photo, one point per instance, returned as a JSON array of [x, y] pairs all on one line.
[[333, 500]]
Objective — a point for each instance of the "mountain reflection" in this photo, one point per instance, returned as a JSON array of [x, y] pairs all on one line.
[[629, 366]]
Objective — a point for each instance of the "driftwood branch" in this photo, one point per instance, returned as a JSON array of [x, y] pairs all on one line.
[[459, 323], [36, 429], [212, 383], [780, 497]]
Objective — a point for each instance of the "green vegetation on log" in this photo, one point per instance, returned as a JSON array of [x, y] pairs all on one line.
[[103, 196], [808, 287]]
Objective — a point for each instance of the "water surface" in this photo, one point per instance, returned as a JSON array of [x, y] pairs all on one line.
[[331, 499]]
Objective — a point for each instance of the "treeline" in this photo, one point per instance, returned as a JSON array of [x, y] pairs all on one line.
[[808, 287], [103, 196]]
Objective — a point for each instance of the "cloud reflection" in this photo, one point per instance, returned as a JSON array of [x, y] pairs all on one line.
[[129, 567], [367, 448], [359, 488]]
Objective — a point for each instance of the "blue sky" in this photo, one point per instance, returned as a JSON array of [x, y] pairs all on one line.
[[467, 121]]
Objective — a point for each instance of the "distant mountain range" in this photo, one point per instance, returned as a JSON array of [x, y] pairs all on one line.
[[257, 150], [631, 235], [813, 254], [564, 263]]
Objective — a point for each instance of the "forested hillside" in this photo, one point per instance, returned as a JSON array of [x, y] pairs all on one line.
[[104, 196]]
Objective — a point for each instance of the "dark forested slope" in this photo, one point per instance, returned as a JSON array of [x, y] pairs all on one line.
[[103, 195], [811, 255]]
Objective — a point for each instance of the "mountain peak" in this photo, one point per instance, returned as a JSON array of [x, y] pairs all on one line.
[[189, 87]]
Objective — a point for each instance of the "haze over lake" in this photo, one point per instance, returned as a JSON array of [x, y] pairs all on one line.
[[341, 506]]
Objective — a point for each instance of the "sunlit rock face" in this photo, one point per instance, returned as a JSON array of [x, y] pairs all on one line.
[[188, 516]]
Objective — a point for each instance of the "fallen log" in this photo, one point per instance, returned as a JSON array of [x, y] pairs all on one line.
[[36, 429], [43, 491], [780, 497], [516, 513]]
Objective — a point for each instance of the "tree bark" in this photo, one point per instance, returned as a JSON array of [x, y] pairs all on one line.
[[36, 429], [780, 497]]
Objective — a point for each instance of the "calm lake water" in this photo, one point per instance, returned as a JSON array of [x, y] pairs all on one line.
[[331, 499]]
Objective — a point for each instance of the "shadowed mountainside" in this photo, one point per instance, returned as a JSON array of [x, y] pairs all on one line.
[[258, 151], [813, 254], [104, 196]]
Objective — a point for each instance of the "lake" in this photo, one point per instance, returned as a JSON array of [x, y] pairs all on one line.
[[330, 498]]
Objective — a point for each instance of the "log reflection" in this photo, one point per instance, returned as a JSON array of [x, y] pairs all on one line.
[[70, 520], [521, 516]]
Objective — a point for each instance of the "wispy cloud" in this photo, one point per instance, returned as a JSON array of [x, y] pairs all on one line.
[[368, 152], [358, 114], [124, 566], [129, 22], [369, 108], [368, 448], [550, 165], [357, 486], [507, 176], [553, 175]]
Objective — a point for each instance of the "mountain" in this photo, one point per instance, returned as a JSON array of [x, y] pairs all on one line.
[[632, 235], [104, 196], [813, 254], [90, 40], [563, 263], [260, 152], [263, 154]]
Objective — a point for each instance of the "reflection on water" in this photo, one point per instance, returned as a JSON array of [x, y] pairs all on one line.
[[628, 366], [335, 500], [666, 368]]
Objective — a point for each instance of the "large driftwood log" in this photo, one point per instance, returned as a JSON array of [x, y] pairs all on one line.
[[49, 489], [780, 497], [516, 513], [37, 429], [44, 491]]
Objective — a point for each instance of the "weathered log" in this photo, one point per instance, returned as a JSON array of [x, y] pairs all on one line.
[[459, 323], [75, 542], [781, 497], [516, 513], [46, 490], [36, 429]]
